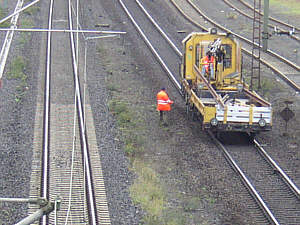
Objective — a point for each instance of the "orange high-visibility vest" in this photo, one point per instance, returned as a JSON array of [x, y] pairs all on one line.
[[206, 62], [163, 101]]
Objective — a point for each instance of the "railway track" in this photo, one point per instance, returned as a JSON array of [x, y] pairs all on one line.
[[273, 212], [71, 167], [8, 39], [247, 14], [275, 20], [287, 69], [275, 192], [244, 39]]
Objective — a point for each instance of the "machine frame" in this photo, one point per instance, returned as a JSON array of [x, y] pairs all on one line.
[[220, 97]]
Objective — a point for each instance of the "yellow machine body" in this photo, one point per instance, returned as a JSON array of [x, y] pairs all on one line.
[[217, 93]]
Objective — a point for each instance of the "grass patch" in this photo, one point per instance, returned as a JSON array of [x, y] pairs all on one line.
[[127, 123], [286, 6], [121, 111], [147, 192], [16, 71], [3, 14], [32, 10], [268, 85], [192, 204], [112, 88], [25, 36], [231, 16], [17, 68]]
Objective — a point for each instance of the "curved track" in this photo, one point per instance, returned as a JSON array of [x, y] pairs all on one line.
[[285, 193], [290, 26], [192, 13], [248, 15]]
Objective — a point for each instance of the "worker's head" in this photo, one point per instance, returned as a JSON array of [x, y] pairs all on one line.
[[163, 89], [208, 54]]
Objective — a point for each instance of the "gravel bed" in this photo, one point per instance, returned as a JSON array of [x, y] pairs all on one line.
[[16, 125], [190, 167]]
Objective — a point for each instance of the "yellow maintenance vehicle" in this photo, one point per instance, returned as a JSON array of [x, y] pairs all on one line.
[[213, 87]]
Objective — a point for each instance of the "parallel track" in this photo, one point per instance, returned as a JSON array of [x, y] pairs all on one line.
[[65, 171], [8, 39], [254, 193], [265, 58], [276, 194], [230, 4], [290, 26]]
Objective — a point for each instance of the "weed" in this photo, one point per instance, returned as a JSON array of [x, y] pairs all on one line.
[[17, 68], [32, 10], [101, 49], [191, 204], [3, 14], [112, 88], [25, 36], [147, 192], [16, 72], [231, 16], [287, 6], [132, 139], [174, 217]]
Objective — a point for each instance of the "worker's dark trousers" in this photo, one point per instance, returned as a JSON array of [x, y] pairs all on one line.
[[161, 116]]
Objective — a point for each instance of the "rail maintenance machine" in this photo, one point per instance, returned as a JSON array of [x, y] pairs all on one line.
[[214, 89]]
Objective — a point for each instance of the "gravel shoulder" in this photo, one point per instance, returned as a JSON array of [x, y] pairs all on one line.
[[198, 185]]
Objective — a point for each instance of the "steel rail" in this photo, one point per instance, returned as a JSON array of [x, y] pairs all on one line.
[[271, 18], [250, 17], [275, 166], [254, 193], [18, 11], [246, 181], [273, 68], [288, 181], [61, 30], [85, 150], [148, 43], [8, 39], [288, 62], [159, 29], [46, 122], [247, 52]]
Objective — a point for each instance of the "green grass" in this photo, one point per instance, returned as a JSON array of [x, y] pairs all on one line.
[[25, 36], [17, 68], [127, 123], [3, 14], [267, 84], [112, 87], [286, 6], [32, 10], [192, 204], [17, 72], [147, 192]]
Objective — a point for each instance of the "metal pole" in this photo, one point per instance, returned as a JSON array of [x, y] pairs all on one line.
[[265, 36], [32, 218]]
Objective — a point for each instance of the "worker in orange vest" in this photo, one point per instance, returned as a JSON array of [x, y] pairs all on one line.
[[208, 64], [163, 103]]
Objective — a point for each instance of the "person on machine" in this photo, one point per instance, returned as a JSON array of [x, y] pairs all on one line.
[[207, 63]]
